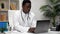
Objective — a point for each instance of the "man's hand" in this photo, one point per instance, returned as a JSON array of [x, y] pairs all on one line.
[[32, 30]]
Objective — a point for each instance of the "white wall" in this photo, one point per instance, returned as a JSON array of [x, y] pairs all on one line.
[[36, 4]]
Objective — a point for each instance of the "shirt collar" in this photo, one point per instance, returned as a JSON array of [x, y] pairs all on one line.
[[29, 14], [25, 14]]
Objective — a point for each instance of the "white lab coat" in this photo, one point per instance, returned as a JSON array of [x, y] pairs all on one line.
[[23, 26]]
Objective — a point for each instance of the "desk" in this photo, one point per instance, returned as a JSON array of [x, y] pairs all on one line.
[[15, 32]]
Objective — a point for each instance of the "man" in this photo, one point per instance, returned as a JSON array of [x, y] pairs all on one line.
[[24, 20]]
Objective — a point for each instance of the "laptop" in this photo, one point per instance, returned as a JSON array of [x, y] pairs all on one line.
[[42, 26]]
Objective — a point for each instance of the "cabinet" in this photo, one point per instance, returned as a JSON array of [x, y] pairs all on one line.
[[9, 5], [6, 5]]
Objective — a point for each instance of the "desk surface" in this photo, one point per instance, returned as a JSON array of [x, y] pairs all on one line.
[[50, 32]]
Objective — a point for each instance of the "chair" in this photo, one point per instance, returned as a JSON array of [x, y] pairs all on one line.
[[10, 17]]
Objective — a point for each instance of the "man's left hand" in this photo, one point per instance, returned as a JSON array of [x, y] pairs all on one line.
[[32, 30]]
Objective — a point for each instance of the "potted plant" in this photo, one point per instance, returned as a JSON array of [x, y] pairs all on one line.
[[51, 10]]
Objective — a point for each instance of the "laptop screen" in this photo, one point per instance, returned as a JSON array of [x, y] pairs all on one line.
[[42, 26]]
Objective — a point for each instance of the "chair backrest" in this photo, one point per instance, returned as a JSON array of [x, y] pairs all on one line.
[[10, 17]]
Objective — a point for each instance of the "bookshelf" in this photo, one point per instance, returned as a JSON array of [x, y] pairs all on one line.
[[3, 16], [4, 7]]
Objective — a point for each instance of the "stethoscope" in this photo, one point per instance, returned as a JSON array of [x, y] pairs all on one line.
[[23, 18]]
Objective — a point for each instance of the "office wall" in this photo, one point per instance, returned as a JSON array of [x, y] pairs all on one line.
[[36, 4]]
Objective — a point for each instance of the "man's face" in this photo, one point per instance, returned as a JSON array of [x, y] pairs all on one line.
[[27, 7]]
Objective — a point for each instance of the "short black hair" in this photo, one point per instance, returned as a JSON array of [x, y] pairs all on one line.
[[25, 1]]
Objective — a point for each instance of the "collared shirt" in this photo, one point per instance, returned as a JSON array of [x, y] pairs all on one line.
[[22, 21]]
